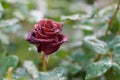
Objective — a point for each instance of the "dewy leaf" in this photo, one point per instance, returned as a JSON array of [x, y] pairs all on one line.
[[8, 22], [106, 10], [13, 29], [116, 68], [116, 48], [71, 17], [98, 68], [115, 44], [4, 38], [93, 12], [6, 62], [31, 69], [55, 74], [115, 41], [96, 45], [117, 58], [72, 68], [22, 74]]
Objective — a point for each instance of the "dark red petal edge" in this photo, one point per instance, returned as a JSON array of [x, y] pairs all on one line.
[[33, 40]]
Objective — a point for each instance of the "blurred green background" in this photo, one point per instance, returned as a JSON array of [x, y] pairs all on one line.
[[81, 18], [19, 17]]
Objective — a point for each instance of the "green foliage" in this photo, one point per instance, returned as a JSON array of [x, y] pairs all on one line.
[[52, 75], [6, 62], [116, 68], [89, 54], [98, 46], [98, 68], [115, 44]]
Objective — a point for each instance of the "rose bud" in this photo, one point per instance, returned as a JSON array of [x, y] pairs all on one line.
[[47, 36]]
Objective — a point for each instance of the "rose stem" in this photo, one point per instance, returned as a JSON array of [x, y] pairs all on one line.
[[113, 17], [109, 26], [9, 73], [44, 64], [44, 61]]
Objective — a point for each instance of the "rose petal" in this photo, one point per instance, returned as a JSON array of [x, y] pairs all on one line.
[[42, 40], [33, 40], [36, 26], [47, 35], [30, 38], [59, 26], [49, 49], [39, 34], [62, 38], [42, 22], [47, 29], [38, 47], [49, 24]]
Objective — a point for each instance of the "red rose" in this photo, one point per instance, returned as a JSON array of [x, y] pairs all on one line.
[[47, 36]]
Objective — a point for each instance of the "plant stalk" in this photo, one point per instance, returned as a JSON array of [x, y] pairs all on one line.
[[44, 61], [44, 64], [113, 17], [9, 73]]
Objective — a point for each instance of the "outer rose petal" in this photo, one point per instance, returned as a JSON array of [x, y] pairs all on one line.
[[50, 48], [30, 38], [33, 40], [38, 47], [47, 49], [62, 38]]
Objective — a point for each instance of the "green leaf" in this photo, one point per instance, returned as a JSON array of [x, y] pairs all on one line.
[[71, 17], [115, 41], [4, 38], [31, 69], [117, 58], [8, 22], [116, 68], [21, 74], [55, 74], [81, 57], [96, 45], [72, 68], [98, 68], [115, 45], [116, 48], [93, 12], [13, 29], [6, 62]]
